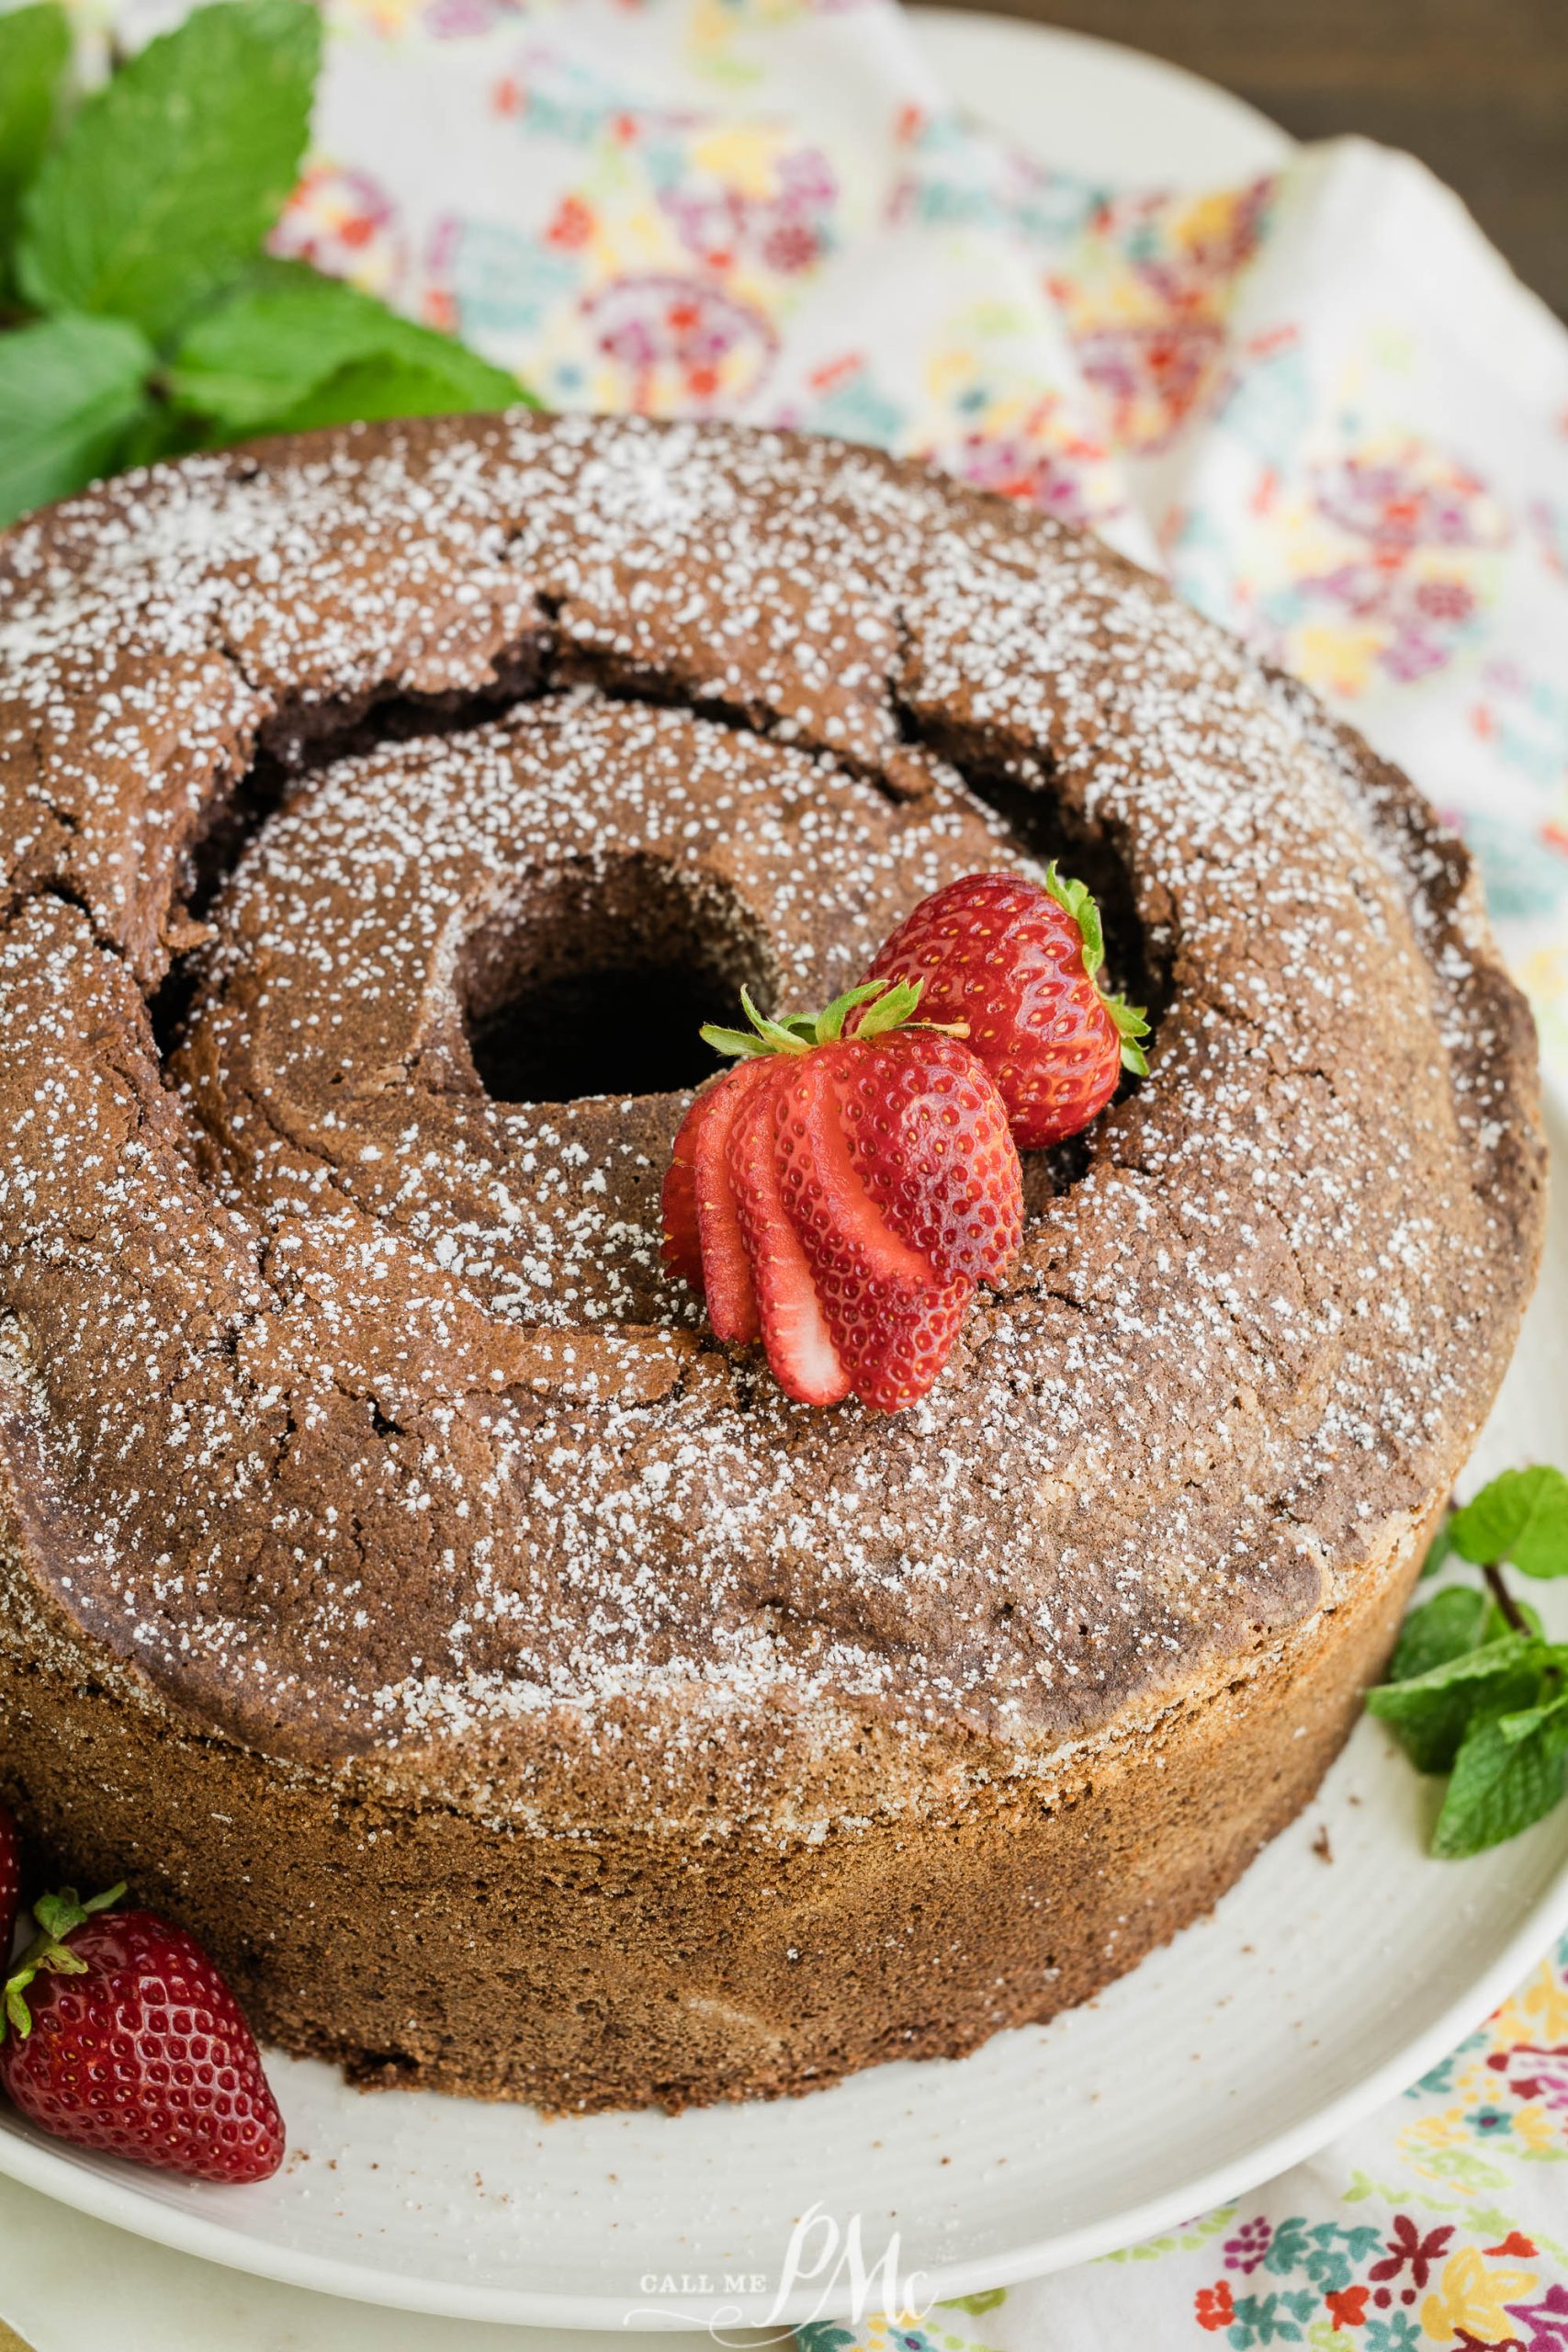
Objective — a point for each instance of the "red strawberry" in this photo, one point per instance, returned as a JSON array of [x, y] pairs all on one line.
[[870, 1181], [10, 1882], [795, 1327], [892, 1315], [1019, 966], [119, 2033], [702, 1227]]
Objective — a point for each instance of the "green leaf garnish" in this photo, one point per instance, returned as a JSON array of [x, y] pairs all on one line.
[[1502, 1782], [1080, 903], [1442, 1629], [1430, 1713], [882, 1005], [57, 1915], [1521, 1517], [69, 389], [35, 44], [138, 233], [172, 173], [1476, 1688], [290, 350]]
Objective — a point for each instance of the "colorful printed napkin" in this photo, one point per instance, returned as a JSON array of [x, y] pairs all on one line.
[[1441, 2221], [1320, 401], [1324, 406]]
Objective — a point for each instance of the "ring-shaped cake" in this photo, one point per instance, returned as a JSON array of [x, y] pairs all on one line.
[[399, 1583]]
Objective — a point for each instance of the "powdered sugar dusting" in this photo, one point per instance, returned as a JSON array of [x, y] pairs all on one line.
[[347, 1407]]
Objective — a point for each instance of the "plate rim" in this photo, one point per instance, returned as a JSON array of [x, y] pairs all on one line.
[[967, 47], [116, 2196]]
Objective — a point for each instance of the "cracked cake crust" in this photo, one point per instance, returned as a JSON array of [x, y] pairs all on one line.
[[373, 1509]]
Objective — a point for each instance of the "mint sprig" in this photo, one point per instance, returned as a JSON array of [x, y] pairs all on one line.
[[171, 175], [288, 348], [147, 321], [1476, 1688], [35, 44], [70, 390]]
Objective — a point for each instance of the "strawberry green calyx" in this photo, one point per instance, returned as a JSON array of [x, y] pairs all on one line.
[[57, 1917], [882, 1005], [1079, 901]]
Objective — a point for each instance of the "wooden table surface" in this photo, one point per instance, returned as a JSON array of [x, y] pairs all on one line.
[[1477, 88]]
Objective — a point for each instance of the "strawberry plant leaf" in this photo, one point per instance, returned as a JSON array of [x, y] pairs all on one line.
[[290, 346], [895, 1006], [35, 44], [70, 388], [1500, 1784], [1522, 1517], [1081, 904], [172, 173]]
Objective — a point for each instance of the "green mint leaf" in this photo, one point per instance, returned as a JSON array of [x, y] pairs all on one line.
[[1522, 1517], [172, 173], [1431, 1713], [373, 389], [69, 389], [1442, 1629], [35, 45], [1549, 1716], [1500, 1784], [158, 432], [294, 346], [1440, 1549]]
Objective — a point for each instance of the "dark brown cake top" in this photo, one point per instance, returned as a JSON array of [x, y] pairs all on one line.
[[363, 798]]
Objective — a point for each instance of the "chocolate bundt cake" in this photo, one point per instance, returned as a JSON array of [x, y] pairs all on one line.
[[400, 1585]]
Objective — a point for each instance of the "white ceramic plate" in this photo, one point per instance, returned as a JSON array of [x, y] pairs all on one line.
[[1315, 1991]]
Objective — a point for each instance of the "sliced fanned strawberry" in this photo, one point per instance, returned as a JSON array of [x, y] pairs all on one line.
[[898, 1357], [726, 1270], [845, 1192], [847, 1236], [928, 1136], [795, 1327], [891, 1318], [680, 1249]]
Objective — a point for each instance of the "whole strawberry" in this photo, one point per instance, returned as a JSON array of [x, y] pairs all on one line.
[[10, 1882], [840, 1196], [119, 2033], [1019, 966]]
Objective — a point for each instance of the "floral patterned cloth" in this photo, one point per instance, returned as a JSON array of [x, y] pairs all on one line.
[[1320, 402], [1443, 2221]]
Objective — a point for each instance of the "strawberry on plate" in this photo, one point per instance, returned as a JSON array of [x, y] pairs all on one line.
[[841, 1196], [116, 2032], [1019, 966]]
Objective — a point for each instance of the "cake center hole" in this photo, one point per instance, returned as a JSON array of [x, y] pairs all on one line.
[[598, 983]]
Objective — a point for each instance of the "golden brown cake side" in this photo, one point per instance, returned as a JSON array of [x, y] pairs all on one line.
[[630, 1965]]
